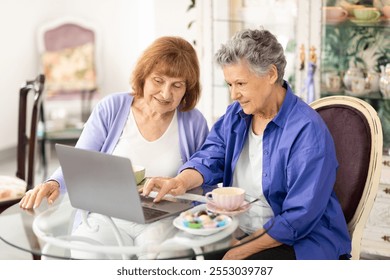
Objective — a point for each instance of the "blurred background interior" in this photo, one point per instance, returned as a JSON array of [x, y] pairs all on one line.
[[86, 50]]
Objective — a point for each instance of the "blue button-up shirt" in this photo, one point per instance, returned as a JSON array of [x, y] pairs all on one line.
[[299, 172]]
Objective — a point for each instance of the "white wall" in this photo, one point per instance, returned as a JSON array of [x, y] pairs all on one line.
[[127, 26]]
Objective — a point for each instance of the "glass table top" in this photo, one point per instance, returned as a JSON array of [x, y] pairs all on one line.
[[47, 232]]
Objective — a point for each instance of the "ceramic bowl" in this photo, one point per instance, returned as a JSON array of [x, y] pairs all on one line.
[[139, 173]]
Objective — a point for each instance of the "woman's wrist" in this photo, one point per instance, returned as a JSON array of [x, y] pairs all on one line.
[[189, 179]]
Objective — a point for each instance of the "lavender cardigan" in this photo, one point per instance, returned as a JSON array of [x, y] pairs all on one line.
[[106, 123]]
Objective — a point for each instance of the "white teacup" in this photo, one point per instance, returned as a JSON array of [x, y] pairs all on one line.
[[335, 13], [227, 198]]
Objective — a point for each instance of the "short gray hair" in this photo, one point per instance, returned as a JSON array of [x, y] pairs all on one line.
[[259, 48]]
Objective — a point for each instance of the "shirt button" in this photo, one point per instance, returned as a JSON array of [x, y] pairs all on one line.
[[266, 152], [265, 174]]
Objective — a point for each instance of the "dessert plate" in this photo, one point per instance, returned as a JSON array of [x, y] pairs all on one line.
[[178, 222]]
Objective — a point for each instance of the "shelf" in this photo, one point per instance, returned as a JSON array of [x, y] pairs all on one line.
[[358, 44], [352, 23], [372, 96]]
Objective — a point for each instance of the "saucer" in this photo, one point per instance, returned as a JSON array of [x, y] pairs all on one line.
[[213, 208], [335, 21], [363, 21]]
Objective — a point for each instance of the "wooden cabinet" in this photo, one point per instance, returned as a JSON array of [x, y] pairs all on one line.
[[351, 60]]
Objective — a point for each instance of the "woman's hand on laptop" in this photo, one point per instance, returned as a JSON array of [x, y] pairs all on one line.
[[186, 180], [163, 186], [33, 198]]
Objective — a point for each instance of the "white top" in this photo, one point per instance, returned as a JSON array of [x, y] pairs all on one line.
[[248, 176], [160, 157]]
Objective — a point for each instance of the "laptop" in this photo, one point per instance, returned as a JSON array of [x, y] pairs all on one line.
[[105, 184]]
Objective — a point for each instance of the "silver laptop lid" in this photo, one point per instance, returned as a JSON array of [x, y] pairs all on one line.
[[105, 184]]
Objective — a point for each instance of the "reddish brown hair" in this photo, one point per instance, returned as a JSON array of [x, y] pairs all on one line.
[[173, 57]]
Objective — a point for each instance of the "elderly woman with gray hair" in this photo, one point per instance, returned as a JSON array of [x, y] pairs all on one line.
[[276, 147]]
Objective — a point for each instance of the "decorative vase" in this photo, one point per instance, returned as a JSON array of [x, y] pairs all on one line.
[[352, 73]]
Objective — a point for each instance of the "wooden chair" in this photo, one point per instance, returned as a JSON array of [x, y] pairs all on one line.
[[67, 48], [357, 133], [26, 145]]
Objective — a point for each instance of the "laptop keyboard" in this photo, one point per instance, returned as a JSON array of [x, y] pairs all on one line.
[[148, 207], [151, 213]]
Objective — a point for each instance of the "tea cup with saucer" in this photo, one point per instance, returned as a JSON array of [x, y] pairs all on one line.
[[226, 198], [367, 14]]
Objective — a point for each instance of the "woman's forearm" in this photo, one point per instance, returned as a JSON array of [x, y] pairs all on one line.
[[256, 242], [190, 178]]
